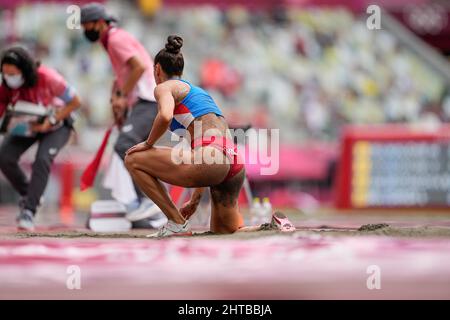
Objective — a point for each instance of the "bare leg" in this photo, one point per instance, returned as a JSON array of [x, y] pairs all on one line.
[[225, 214], [249, 229], [156, 191], [146, 167], [157, 162], [225, 220]]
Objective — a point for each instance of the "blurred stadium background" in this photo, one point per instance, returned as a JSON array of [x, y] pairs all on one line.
[[362, 112], [308, 67]]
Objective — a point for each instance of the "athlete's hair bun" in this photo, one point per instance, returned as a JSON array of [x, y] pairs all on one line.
[[174, 44]]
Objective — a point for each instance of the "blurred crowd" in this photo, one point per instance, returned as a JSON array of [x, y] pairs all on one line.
[[307, 72]]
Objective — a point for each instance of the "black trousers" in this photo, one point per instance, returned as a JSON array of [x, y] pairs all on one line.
[[11, 150], [136, 129]]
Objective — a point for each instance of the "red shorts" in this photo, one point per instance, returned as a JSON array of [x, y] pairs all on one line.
[[227, 147]]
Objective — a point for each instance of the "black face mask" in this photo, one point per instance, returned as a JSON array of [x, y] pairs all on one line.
[[92, 35]]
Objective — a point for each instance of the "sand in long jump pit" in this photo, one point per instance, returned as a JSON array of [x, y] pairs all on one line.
[[324, 230], [390, 223]]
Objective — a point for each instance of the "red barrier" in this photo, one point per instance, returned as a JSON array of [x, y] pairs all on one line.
[[67, 182]]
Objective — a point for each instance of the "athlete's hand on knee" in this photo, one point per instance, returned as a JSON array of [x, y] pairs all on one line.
[[138, 148]]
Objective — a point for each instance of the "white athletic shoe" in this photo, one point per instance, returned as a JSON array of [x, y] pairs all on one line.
[[147, 209], [172, 229]]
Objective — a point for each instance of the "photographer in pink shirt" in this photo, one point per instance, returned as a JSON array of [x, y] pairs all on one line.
[[132, 99], [24, 79]]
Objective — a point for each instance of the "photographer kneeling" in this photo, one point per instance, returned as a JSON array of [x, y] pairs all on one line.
[[24, 79]]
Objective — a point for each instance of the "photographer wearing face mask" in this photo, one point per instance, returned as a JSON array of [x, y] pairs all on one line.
[[132, 100], [25, 80]]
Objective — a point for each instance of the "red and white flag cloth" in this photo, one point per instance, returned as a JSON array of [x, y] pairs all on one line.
[[117, 177], [89, 174], [119, 181]]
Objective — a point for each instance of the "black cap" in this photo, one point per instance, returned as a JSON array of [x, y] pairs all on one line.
[[95, 11]]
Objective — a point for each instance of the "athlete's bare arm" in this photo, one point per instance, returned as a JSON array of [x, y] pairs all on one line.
[[190, 207], [164, 95], [166, 105]]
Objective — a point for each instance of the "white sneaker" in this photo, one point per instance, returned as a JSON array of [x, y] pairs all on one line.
[[147, 209], [173, 229]]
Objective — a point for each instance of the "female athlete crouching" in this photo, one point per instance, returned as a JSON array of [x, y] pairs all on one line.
[[180, 105]]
